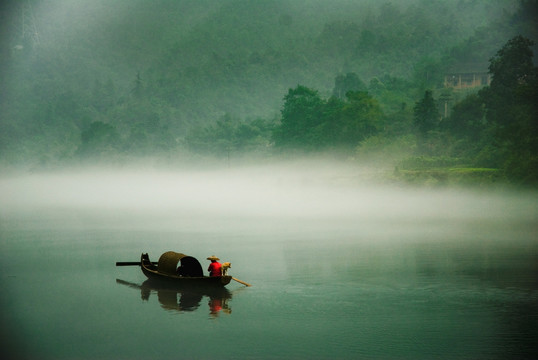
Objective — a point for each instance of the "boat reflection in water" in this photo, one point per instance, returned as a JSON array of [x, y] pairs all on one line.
[[184, 299]]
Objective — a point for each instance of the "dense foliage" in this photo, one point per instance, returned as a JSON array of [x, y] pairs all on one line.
[[127, 79]]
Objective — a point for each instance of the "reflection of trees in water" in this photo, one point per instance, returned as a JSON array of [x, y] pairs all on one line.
[[180, 299]]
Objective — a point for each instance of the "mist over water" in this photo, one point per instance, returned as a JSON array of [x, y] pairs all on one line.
[[296, 194], [342, 265]]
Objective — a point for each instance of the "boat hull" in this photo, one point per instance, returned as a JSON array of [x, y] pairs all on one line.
[[152, 273]]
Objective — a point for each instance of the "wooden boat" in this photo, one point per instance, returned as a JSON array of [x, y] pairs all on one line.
[[189, 273]]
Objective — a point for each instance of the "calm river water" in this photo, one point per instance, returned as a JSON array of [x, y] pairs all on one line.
[[340, 270]]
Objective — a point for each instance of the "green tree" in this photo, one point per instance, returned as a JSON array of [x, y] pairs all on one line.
[[512, 71], [229, 137], [98, 141], [426, 115], [332, 122], [511, 108], [361, 118], [399, 123], [218, 138], [253, 136], [347, 82], [467, 119], [301, 118], [426, 120], [428, 73], [311, 123]]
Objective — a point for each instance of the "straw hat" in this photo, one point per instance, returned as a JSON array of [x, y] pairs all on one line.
[[213, 258]]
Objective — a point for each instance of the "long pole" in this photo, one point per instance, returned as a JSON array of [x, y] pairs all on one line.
[[130, 263], [242, 282]]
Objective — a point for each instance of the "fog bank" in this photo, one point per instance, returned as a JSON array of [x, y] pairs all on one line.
[[294, 196]]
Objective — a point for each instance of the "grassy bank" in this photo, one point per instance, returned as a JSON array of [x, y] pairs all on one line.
[[431, 171]]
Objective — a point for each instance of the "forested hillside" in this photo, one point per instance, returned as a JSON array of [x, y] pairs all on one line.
[[125, 79]]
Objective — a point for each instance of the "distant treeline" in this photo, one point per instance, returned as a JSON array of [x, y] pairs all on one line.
[[494, 128], [239, 78]]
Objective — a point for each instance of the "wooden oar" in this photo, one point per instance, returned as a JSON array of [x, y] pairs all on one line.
[[242, 282], [131, 263]]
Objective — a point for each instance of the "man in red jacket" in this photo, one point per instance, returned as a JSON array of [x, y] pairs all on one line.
[[215, 267]]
